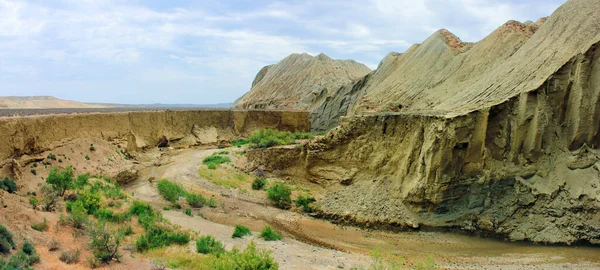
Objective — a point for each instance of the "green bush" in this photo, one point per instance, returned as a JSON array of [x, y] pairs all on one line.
[[208, 245], [49, 198], [61, 180], [265, 138], [105, 243], [128, 231], [6, 240], [259, 183], [250, 258], [305, 202], [34, 202], [195, 200], [240, 231], [40, 226], [8, 185], [91, 200], [215, 160], [158, 236], [139, 208], [87, 157], [92, 147], [212, 203], [170, 191], [279, 194], [188, 212], [28, 248], [269, 234], [109, 215], [82, 180]]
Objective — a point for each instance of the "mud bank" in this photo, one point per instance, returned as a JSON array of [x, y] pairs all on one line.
[[31, 135]]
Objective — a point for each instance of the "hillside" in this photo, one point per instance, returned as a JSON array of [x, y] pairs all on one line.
[[300, 81]]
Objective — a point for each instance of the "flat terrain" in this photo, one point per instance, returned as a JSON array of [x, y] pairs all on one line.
[[28, 112]]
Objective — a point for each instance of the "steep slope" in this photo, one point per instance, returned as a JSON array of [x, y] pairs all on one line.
[[42, 102], [300, 81]]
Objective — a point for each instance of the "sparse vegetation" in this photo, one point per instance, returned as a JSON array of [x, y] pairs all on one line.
[[158, 234], [70, 257], [208, 245], [266, 138], [305, 202], [49, 198], [224, 177], [240, 231], [259, 183], [212, 203], [23, 259], [42, 226], [78, 216], [269, 234], [87, 157], [54, 246], [92, 147], [34, 202], [188, 212], [9, 185], [279, 194]]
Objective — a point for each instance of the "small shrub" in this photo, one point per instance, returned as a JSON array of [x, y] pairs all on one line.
[[157, 236], [92, 147], [78, 216], [6, 240], [105, 244], [109, 215], [54, 246], [250, 258], [49, 198], [279, 194], [22, 260], [170, 191], [87, 157], [128, 231], [188, 212], [240, 231], [28, 248], [212, 203], [61, 180], [34, 202], [259, 183], [212, 166], [9, 185], [40, 226], [208, 245], [91, 200], [195, 200], [269, 234], [82, 180], [305, 202], [33, 171], [166, 208], [70, 257], [266, 138]]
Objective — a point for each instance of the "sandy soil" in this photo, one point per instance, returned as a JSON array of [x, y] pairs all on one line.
[[319, 244]]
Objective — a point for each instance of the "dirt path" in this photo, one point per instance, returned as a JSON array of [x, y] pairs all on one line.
[[316, 244]]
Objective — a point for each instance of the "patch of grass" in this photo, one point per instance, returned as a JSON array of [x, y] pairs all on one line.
[[224, 177], [215, 160], [87, 157], [70, 257], [266, 138], [92, 147], [269, 234], [170, 191], [108, 215], [240, 231], [34, 202], [54, 246], [6, 240], [279, 194], [208, 245], [42, 226], [188, 212], [239, 142], [259, 183], [9, 185], [305, 202], [166, 208]]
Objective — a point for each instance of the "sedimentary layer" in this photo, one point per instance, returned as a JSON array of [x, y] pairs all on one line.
[[30, 135]]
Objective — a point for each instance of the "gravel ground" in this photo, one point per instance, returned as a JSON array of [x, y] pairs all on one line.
[[26, 112]]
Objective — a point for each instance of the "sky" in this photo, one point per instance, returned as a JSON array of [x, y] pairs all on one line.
[[208, 51]]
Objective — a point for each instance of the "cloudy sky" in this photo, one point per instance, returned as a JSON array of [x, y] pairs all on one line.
[[208, 51]]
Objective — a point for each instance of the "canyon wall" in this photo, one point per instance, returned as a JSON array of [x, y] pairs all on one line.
[[526, 169], [30, 135]]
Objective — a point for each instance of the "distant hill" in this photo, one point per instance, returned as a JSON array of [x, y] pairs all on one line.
[[300, 81], [42, 102], [49, 102]]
